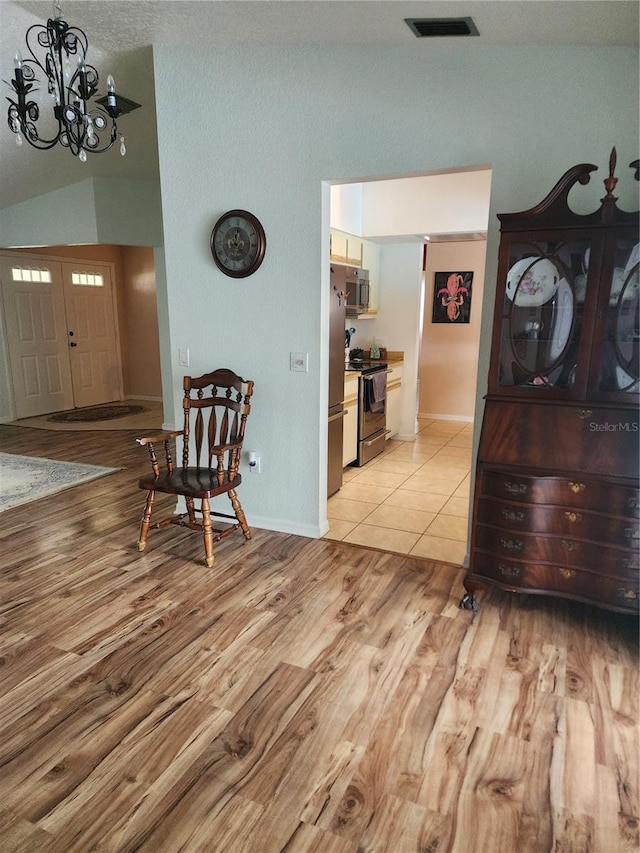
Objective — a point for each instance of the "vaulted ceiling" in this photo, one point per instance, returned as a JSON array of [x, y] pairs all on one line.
[[121, 33]]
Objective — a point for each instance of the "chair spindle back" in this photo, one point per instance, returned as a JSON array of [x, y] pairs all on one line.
[[216, 406]]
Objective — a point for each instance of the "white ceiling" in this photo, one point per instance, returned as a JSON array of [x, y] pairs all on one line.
[[121, 31]]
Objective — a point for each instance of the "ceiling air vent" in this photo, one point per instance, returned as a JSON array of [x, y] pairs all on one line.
[[437, 27]]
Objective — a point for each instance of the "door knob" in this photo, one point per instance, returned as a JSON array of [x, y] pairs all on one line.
[[73, 344]]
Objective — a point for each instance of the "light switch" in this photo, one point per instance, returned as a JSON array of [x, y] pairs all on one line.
[[183, 357], [299, 361]]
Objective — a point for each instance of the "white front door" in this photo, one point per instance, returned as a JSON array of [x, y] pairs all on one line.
[[33, 303], [62, 337], [93, 347]]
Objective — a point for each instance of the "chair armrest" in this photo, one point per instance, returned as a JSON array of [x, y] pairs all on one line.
[[222, 448], [163, 436], [233, 449], [151, 441]]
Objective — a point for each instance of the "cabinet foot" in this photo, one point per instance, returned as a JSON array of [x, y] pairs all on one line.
[[468, 602]]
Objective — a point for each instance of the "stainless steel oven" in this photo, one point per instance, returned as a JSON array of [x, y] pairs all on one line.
[[372, 411]]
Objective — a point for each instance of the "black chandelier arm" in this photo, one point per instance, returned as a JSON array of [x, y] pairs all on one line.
[[83, 83], [52, 72], [75, 146], [23, 122]]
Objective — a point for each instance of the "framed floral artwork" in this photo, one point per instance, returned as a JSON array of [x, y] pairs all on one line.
[[452, 297]]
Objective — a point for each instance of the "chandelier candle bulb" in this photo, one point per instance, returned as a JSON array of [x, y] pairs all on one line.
[[111, 91]]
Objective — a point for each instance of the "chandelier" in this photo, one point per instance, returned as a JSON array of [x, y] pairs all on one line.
[[71, 82]]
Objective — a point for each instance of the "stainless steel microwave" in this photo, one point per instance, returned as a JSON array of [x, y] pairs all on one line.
[[357, 287]]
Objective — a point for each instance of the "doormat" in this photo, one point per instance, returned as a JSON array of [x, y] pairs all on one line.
[[96, 413], [28, 478]]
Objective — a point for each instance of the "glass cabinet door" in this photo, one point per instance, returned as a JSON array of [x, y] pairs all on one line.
[[620, 361], [542, 313]]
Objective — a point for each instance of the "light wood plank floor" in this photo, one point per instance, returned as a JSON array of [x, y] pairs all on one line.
[[302, 695]]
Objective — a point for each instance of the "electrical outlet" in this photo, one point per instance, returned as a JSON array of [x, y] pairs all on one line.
[[254, 463], [183, 357], [299, 361]]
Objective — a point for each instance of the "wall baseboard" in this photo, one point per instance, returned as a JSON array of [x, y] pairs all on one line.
[[143, 397], [310, 531], [465, 419]]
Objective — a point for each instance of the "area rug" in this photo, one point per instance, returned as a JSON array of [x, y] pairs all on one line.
[[28, 478], [149, 418], [96, 413]]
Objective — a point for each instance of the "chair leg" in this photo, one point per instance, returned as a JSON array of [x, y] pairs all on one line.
[[146, 521], [207, 532], [191, 512], [237, 508]]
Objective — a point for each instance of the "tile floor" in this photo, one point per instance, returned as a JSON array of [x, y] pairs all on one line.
[[413, 498]]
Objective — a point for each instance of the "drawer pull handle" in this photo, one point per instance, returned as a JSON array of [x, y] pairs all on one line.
[[567, 573], [568, 545], [627, 594], [516, 488], [509, 572], [632, 503], [512, 545], [576, 488], [573, 516], [512, 515], [631, 533], [584, 413]]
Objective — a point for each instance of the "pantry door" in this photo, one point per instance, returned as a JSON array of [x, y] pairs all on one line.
[[33, 305], [94, 353]]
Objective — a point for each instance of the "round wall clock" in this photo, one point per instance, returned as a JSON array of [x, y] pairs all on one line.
[[238, 243]]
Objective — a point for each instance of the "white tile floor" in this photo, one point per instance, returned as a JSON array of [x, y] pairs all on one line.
[[413, 499]]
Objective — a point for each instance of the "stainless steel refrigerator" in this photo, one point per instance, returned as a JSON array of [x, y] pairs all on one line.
[[337, 315]]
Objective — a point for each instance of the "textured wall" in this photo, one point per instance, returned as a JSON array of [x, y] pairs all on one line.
[[273, 124]]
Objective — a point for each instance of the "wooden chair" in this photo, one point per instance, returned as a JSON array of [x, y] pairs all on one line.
[[213, 432]]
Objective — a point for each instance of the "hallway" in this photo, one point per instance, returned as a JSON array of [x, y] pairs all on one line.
[[413, 499]]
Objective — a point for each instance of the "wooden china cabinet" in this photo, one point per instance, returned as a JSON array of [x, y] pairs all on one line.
[[556, 507]]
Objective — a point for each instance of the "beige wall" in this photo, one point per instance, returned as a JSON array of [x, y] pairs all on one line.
[[449, 352], [139, 324], [137, 313]]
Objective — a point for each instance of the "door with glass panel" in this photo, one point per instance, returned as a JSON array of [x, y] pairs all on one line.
[[91, 326], [61, 334], [36, 335]]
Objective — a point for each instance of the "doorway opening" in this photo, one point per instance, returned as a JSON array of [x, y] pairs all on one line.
[[105, 295], [414, 499]]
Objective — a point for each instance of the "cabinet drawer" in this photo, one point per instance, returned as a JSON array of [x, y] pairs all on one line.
[[597, 441], [565, 550], [559, 579], [624, 532], [578, 492]]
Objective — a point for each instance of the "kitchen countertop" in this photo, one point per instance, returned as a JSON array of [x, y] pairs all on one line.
[[393, 359], [391, 362]]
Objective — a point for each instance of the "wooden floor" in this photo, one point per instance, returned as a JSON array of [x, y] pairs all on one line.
[[302, 695]]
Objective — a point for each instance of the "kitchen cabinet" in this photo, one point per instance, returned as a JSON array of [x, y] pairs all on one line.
[[350, 422], [394, 398], [346, 249], [556, 503], [351, 250], [371, 262]]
